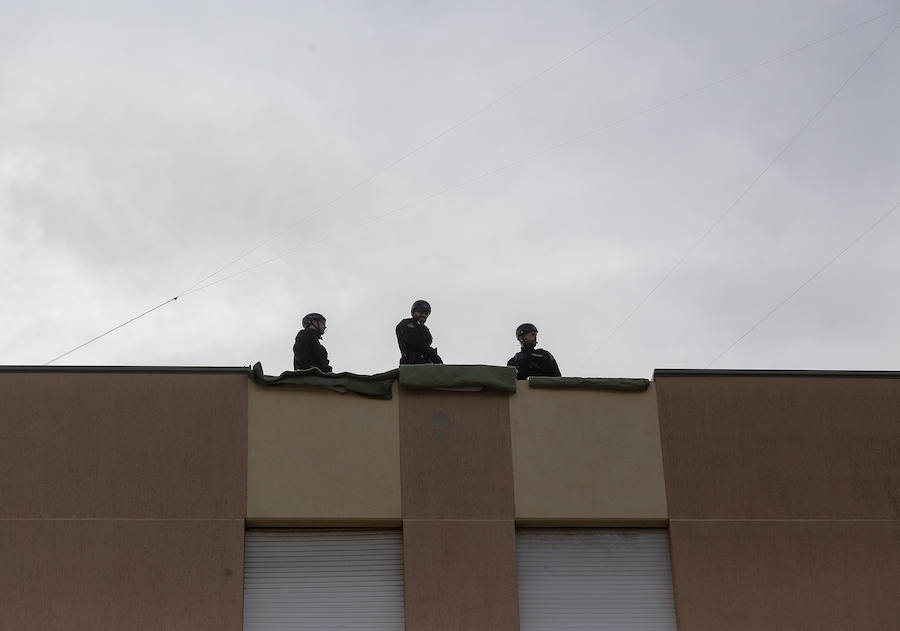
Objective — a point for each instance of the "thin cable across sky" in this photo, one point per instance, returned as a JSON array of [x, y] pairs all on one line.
[[806, 282], [468, 118], [759, 176], [560, 145], [201, 285], [460, 123]]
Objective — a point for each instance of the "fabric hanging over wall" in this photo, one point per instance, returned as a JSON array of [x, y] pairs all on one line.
[[378, 386], [457, 377], [590, 383]]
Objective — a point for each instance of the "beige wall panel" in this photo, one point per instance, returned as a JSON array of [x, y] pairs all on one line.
[[318, 457], [786, 575], [123, 445], [767, 447], [460, 575], [584, 457], [110, 575], [455, 455]]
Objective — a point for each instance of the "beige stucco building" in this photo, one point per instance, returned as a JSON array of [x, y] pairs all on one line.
[[142, 498]]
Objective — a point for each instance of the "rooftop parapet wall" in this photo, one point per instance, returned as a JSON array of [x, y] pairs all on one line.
[[120, 444], [122, 498], [781, 445], [784, 498], [587, 457], [318, 457], [582, 455]]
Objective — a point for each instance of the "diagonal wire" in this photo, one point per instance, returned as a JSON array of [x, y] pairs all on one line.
[[516, 88], [554, 147], [115, 328], [430, 141], [643, 112], [718, 220], [806, 282]]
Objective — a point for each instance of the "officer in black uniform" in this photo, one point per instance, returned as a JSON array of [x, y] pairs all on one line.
[[414, 338], [308, 351], [531, 361]]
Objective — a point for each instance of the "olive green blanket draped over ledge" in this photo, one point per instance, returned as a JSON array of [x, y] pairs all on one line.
[[378, 386], [437, 377], [423, 376], [457, 377], [590, 383]]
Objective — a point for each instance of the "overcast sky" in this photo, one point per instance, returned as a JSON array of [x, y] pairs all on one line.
[[143, 146]]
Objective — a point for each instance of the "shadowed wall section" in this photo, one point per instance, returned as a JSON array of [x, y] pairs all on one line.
[[123, 500], [459, 551], [320, 458], [587, 458], [783, 495], [792, 574]]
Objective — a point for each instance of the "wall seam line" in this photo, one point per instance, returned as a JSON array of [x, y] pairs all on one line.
[[745, 520]]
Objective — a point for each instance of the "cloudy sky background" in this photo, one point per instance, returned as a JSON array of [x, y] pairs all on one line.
[[143, 146]]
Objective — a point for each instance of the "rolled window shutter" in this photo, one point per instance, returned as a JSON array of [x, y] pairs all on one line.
[[595, 579], [305, 579]]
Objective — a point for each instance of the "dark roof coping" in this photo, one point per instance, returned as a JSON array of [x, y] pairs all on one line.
[[689, 372], [236, 370]]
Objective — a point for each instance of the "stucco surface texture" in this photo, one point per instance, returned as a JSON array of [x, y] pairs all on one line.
[[783, 500], [459, 547], [587, 457], [455, 453], [781, 447], [123, 499], [460, 575], [123, 445], [786, 575], [110, 575], [321, 457]]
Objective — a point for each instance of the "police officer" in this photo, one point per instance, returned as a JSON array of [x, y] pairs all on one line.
[[531, 361], [308, 351], [414, 338]]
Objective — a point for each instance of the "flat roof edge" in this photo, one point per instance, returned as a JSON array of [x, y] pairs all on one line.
[[235, 370], [688, 372]]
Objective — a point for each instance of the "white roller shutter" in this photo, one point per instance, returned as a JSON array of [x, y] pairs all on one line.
[[597, 579], [323, 579]]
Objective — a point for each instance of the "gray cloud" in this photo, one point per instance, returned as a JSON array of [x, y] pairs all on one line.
[[146, 146]]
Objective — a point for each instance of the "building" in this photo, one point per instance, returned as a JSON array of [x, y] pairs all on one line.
[[451, 497]]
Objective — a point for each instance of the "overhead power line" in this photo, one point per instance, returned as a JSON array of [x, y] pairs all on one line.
[[718, 220], [466, 119], [559, 145], [805, 283], [565, 143], [115, 328], [516, 88], [197, 287]]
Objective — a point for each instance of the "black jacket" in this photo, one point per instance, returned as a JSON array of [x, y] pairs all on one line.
[[309, 352], [414, 340], [534, 362]]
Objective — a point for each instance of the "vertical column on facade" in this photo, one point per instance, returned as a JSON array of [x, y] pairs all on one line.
[[122, 499], [458, 511], [783, 499]]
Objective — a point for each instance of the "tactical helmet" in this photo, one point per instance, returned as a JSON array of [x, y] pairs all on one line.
[[421, 306], [309, 318], [525, 328]]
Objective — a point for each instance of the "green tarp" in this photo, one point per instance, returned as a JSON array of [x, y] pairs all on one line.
[[590, 383], [457, 377], [378, 386], [438, 377]]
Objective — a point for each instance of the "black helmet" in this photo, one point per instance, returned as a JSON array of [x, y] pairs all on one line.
[[525, 328], [309, 318], [421, 306]]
